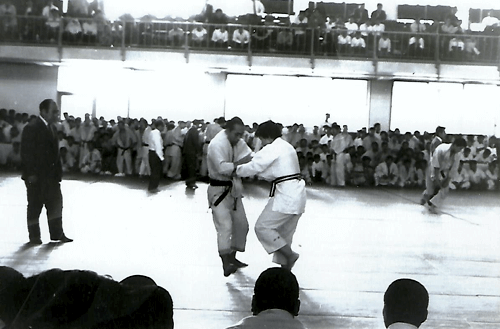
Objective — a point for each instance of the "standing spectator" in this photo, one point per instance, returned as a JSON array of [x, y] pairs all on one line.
[[405, 304], [360, 14], [8, 19], [155, 146], [86, 134], [42, 173], [192, 152], [241, 38], [275, 302], [300, 24], [379, 14], [174, 141], [14, 156], [124, 140]]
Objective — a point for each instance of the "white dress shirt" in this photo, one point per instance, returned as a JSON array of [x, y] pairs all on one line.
[[154, 141]]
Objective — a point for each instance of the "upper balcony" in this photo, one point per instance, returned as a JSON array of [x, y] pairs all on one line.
[[256, 49]]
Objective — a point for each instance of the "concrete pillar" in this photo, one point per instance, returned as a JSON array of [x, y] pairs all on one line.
[[380, 102]]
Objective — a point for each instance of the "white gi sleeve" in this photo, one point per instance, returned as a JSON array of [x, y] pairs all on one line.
[[260, 162]]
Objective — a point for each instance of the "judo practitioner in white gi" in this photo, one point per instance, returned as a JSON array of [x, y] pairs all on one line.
[[277, 162], [225, 152], [444, 164]]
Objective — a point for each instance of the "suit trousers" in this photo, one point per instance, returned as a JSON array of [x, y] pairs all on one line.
[[45, 192], [275, 230], [231, 224], [156, 170]]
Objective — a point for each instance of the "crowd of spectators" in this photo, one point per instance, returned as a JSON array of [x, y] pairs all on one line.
[[314, 29], [329, 154]]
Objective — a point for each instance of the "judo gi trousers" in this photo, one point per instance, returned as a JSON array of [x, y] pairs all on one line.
[[275, 230], [433, 192], [231, 224]]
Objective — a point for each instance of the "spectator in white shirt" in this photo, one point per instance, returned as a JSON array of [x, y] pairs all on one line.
[[343, 42], [358, 44], [199, 36], [241, 38], [384, 45], [489, 20], [492, 175], [220, 37], [387, 172], [351, 26]]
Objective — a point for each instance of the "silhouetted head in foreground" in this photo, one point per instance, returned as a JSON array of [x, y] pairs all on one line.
[[405, 301], [276, 288]]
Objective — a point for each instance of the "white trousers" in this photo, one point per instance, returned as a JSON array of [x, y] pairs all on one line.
[[124, 156], [231, 224], [275, 230], [173, 162]]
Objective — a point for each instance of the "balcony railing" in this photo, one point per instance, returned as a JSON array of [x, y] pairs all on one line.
[[467, 48]]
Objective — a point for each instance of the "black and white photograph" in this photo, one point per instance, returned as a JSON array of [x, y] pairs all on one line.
[[249, 164]]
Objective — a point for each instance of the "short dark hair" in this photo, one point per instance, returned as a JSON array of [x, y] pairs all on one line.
[[405, 300], [234, 122], [460, 142], [45, 104], [276, 288], [268, 129]]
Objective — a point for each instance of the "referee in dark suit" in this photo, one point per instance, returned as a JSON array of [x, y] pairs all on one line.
[[42, 173]]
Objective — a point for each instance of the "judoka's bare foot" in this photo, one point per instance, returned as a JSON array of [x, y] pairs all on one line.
[[291, 261]]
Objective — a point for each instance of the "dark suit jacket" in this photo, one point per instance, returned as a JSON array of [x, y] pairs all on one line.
[[40, 151]]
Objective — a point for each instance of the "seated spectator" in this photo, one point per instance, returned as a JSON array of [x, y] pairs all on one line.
[[366, 29], [73, 31], [405, 303], [343, 42], [358, 44], [52, 25], [275, 302], [351, 26], [199, 36], [378, 28], [484, 157], [386, 173], [374, 154], [379, 14], [416, 43], [490, 20], [384, 45], [14, 156], [91, 163], [407, 174], [176, 36], [220, 37], [456, 47], [89, 31], [420, 169], [304, 169], [477, 178], [241, 38], [284, 40], [82, 299], [318, 171], [261, 38], [8, 20], [492, 175], [471, 51], [299, 27]]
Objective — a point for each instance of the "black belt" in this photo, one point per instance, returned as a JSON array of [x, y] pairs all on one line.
[[124, 149], [227, 184], [281, 180], [144, 144]]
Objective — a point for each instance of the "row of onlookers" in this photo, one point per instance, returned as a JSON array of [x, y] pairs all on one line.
[[328, 154], [310, 31]]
